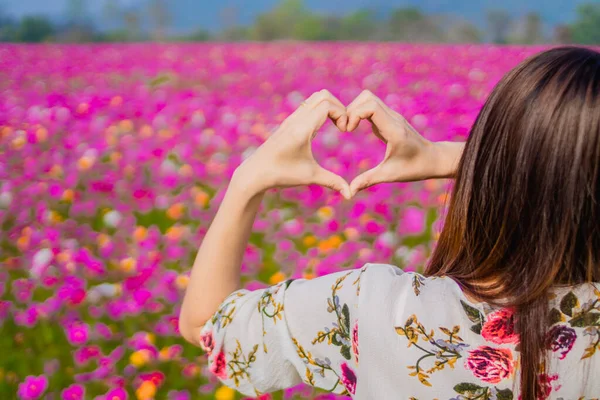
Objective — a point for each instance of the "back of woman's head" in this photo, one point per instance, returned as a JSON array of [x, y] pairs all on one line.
[[525, 209]]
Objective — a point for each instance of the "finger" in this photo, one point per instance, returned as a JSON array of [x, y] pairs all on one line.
[[365, 99], [366, 179], [328, 179], [326, 109], [314, 101]]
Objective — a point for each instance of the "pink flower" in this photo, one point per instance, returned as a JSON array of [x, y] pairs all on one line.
[[355, 341], [179, 395], [116, 394], [33, 387], [219, 366], [84, 354], [73, 392], [77, 333], [348, 378], [206, 342], [490, 364], [500, 327]]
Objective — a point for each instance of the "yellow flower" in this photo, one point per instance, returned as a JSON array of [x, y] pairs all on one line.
[[139, 358], [276, 278], [163, 354], [351, 233], [103, 239], [182, 281], [308, 275], [18, 142], [85, 163], [326, 213], [201, 199], [332, 243], [224, 393], [151, 337], [128, 264], [309, 241], [146, 391], [174, 233]]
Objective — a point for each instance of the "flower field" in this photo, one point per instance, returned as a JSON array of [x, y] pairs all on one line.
[[113, 160]]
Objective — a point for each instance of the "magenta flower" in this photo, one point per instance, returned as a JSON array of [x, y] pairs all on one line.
[[73, 392], [33, 387], [77, 333], [116, 394], [348, 378]]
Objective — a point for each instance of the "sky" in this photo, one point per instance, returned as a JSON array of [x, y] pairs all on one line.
[[189, 14]]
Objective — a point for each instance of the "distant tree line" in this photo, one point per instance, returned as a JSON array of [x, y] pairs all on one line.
[[291, 20]]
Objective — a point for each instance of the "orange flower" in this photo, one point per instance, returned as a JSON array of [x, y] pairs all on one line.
[[146, 391], [276, 278], [140, 233], [175, 211]]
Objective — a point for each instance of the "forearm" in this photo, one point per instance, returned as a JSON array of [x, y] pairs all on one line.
[[444, 159], [216, 270]]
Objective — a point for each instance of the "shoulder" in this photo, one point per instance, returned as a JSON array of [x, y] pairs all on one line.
[[388, 286]]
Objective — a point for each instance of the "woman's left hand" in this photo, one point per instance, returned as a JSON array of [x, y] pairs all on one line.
[[286, 158]]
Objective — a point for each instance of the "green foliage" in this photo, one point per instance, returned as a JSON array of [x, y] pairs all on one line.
[[586, 29], [34, 29]]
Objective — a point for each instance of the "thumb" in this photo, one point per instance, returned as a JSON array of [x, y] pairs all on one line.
[[328, 179], [366, 179]]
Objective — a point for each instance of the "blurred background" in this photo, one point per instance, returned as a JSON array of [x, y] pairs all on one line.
[[445, 21], [123, 121]]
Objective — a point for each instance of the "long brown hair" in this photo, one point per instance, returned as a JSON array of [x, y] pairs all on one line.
[[524, 214]]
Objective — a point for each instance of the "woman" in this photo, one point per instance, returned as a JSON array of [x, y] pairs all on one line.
[[508, 307]]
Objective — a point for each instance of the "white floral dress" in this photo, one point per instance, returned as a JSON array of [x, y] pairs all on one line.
[[380, 333]]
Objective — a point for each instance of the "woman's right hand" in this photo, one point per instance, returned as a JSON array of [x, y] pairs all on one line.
[[408, 156]]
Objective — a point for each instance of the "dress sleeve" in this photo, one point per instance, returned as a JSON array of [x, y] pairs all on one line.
[[297, 331]]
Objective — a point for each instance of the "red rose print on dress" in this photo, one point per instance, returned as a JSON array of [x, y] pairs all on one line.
[[219, 366], [348, 378], [500, 327], [490, 364]]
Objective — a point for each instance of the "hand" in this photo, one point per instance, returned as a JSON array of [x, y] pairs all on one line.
[[408, 156], [286, 158]]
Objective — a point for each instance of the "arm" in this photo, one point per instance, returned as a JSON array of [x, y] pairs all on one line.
[[284, 160], [216, 270]]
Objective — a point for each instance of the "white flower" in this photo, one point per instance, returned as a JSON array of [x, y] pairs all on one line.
[[168, 166], [5, 199], [388, 239], [112, 218]]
